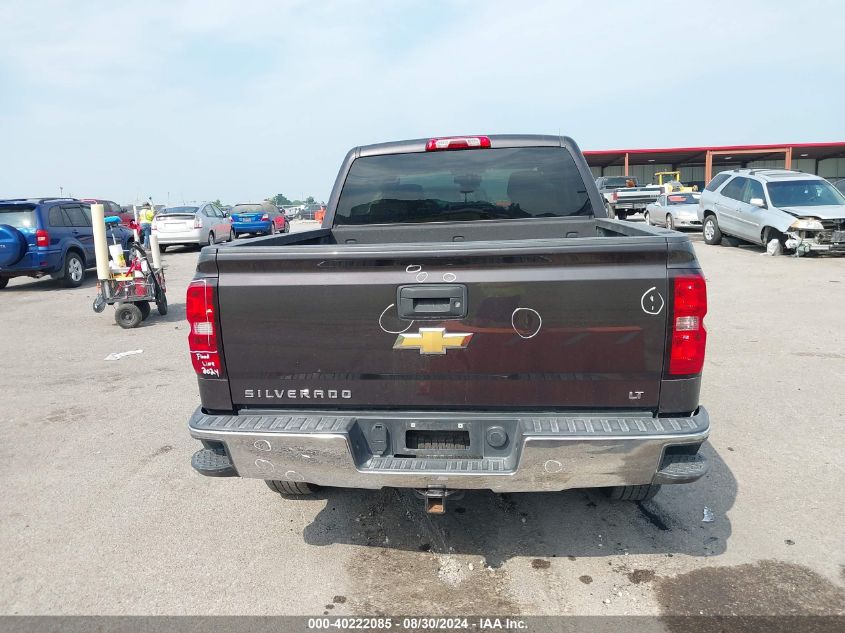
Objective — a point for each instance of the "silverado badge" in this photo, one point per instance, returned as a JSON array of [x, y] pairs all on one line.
[[432, 340]]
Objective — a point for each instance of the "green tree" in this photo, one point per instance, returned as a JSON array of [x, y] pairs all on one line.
[[218, 203], [309, 200], [280, 200]]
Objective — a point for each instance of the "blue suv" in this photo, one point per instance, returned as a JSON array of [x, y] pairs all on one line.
[[50, 236]]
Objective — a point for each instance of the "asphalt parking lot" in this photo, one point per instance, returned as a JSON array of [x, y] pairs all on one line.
[[102, 513]]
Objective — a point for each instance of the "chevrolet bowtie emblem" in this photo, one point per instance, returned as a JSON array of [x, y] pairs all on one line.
[[432, 340]]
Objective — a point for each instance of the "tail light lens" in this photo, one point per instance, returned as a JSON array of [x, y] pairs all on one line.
[[202, 336], [42, 238], [457, 142], [614, 196], [197, 223], [688, 337], [265, 218]]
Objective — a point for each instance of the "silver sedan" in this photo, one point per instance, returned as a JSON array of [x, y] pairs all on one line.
[[674, 210], [199, 224]]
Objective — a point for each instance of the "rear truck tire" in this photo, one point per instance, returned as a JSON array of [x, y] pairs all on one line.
[[272, 230], [287, 227], [128, 315], [161, 303], [670, 222], [234, 235], [211, 238], [73, 272], [4, 281], [610, 212], [647, 218], [621, 215], [145, 308], [711, 232], [231, 236], [291, 488], [633, 493]]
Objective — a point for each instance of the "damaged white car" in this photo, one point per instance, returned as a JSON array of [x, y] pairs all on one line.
[[781, 209]]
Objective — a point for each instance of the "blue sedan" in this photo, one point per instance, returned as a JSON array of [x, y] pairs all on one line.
[[258, 219]]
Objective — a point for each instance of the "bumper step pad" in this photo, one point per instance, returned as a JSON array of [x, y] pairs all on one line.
[[680, 469], [213, 463]]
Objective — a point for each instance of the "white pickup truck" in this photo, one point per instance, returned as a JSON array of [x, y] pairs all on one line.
[[623, 195]]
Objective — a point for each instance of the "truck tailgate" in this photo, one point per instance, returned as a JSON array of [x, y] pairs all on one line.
[[557, 324]]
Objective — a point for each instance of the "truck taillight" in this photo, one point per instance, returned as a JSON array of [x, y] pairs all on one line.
[[42, 238], [202, 336], [614, 196], [197, 223], [457, 142], [688, 337]]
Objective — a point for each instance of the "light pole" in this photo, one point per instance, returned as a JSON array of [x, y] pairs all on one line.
[[61, 192]]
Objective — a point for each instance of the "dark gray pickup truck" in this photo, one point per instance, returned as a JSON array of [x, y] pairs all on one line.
[[466, 318]]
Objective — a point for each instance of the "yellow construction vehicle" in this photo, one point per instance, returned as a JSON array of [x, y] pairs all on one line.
[[670, 182]]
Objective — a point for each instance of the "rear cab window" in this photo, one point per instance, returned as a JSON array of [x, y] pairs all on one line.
[[619, 182], [20, 216], [466, 185]]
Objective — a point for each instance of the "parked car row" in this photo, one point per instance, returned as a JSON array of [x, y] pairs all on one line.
[[54, 236], [781, 209], [206, 223]]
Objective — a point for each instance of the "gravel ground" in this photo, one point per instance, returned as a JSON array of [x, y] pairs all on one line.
[[102, 513]]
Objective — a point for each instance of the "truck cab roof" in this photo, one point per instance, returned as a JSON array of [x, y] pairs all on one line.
[[496, 141]]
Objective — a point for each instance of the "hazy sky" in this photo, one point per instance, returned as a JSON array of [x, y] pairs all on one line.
[[240, 99]]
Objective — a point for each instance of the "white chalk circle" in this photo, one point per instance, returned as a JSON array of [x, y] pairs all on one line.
[[264, 465], [449, 277], [413, 268], [532, 322], [553, 466], [262, 445], [422, 276], [292, 475], [384, 329], [652, 301]]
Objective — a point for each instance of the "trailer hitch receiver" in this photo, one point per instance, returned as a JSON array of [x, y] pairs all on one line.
[[435, 498]]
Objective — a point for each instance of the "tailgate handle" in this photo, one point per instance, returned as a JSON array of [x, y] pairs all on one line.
[[432, 301]]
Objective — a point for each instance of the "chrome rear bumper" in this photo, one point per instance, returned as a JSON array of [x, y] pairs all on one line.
[[545, 452]]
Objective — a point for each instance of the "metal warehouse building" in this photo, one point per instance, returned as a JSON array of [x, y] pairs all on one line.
[[699, 164]]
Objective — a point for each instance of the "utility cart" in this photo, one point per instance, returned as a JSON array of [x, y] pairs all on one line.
[[132, 289]]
